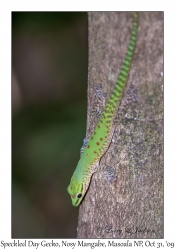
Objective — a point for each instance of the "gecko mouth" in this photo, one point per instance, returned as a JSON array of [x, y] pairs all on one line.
[[76, 203]]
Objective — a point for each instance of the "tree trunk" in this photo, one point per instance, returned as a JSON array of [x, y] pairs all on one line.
[[130, 204]]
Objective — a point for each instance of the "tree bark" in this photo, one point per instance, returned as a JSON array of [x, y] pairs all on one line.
[[131, 204]]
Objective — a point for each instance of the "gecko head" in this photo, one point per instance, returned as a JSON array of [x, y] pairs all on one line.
[[76, 192]]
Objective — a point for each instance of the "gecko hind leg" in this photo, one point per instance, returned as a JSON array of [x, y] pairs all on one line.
[[85, 141]]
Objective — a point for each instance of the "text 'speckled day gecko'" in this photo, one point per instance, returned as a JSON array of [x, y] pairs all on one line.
[[101, 136]]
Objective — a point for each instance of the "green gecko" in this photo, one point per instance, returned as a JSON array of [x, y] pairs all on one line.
[[101, 136]]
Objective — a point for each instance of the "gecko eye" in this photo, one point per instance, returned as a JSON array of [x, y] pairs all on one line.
[[79, 195]]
